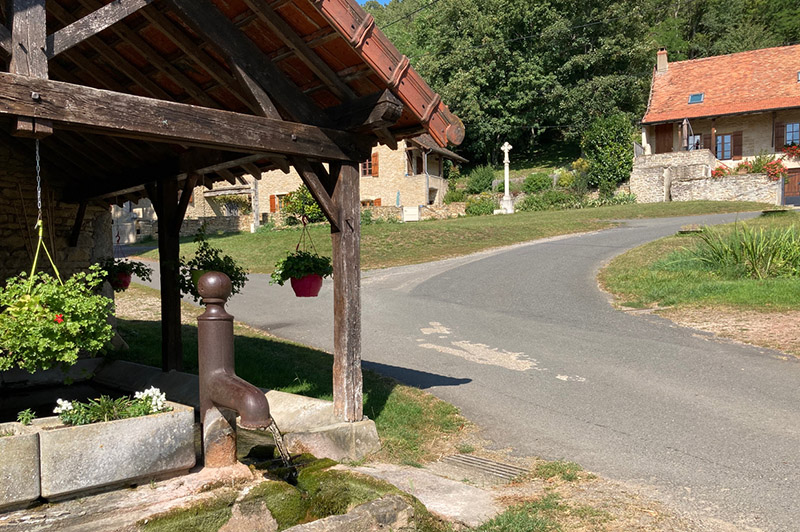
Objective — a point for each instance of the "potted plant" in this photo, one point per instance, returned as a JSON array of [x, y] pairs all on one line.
[[306, 271], [44, 322], [207, 258], [120, 272]]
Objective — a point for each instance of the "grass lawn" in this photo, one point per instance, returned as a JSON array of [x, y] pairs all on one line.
[[386, 245], [413, 425], [650, 275]]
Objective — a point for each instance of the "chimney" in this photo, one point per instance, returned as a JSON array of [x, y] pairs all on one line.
[[661, 61]]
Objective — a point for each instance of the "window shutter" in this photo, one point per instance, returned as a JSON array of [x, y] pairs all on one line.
[[377, 202], [780, 136], [273, 203], [707, 142], [374, 165], [736, 145]]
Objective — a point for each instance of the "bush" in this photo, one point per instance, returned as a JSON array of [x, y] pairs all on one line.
[[566, 179], [480, 179], [301, 203], [537, 182], [366, 217], [550, 200], [454, 195], [481, 205], [608, 146], [621, 198]]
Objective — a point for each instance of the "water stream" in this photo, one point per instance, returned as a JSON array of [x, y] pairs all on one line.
[[281, 446]]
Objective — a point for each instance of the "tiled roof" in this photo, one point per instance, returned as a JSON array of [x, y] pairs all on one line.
[[759, 80]]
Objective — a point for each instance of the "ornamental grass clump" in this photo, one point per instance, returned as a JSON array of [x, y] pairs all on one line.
[[44, 322], [749, 252], [104, 408]]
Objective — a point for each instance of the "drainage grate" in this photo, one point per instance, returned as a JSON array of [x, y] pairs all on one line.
[[489, 467]]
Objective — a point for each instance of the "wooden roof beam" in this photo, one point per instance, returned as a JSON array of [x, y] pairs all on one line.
[[84, 108], [207, 21], [92, 24], [113, 57], [156, 59], [259, 97], [5, 39], [178, 36], [301, 49], [28, 35]]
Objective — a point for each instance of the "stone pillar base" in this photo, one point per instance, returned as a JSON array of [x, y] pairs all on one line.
[[219, 438]]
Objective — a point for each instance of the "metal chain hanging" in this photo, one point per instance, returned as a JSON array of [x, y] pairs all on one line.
[[40, 224]]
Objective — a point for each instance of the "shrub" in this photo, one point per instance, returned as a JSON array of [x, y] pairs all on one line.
[[537, 182], [480, 179], [454, 195], [609, 148], [607, 188], [550, 200], [481, 205], [621, 198], [301, 203], [581, 165], [566, 179], [366, 217]]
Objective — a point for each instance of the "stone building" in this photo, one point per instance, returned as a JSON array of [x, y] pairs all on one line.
[[732, 107], [410, 176]]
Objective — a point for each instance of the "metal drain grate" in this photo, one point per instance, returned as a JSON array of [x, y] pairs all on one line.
[[489, 467]]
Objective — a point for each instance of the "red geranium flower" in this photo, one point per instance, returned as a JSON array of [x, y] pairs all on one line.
[[59, 318]]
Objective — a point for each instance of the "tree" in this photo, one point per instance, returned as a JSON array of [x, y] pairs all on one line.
[[301, 203], [608, 146]]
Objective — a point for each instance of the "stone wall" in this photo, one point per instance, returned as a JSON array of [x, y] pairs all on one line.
[[745, 187], [18, 213], [686, 176]]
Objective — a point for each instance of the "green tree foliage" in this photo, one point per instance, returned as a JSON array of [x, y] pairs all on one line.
[[608, 146], [534, 71], [301, 203]]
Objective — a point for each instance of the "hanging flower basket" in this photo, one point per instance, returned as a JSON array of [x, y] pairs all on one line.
[[308, 286], [120, 272], [306, 271]]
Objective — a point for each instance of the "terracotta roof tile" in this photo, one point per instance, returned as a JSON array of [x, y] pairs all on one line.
[[759, 80]]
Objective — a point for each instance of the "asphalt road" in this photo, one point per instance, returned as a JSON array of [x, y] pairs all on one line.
[[527, 346]]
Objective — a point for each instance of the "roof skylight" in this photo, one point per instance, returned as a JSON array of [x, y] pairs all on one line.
[[696, 97]]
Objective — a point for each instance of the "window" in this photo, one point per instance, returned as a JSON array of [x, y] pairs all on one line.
[[793, 133], [695, 142], [724, 147], [697, 97], [366, 168]]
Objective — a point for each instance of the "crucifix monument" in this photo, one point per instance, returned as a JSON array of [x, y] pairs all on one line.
[[507, 205]]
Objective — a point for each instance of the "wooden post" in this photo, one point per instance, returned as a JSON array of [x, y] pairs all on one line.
[[714, 138], [28, 58], [165, 202], [347, 382]]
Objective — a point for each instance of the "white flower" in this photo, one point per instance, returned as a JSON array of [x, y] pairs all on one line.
[[158, 400], [63, 406]]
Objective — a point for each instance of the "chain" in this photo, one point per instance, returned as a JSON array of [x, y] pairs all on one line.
[[38, 180]]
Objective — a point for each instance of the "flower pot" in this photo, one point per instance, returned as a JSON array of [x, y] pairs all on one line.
[[308, 286], [120, 281], [19, 465], [85, 457]]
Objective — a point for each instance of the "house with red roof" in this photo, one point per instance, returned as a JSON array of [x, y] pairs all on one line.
[[731, 107]]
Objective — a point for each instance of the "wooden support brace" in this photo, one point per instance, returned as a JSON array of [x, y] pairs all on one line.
[[76, 227], [28, 35], [91, 24], [317, 189], [347, 378], [5, 39]]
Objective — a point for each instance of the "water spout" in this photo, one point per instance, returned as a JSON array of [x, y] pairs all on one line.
[[219, 385]]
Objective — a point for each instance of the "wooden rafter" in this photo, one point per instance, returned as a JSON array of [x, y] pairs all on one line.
[[156, 59], [92, 24], [133, 72], [301, 49], [207, 21], [176, 34], [318, 38], [5, 39], [259, 97], [124, 115]]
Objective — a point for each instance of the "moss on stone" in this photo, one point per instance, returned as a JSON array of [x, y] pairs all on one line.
[[288, 505], [207, 516]]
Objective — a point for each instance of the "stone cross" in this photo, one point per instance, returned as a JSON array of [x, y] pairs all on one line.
[[507, 204]]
